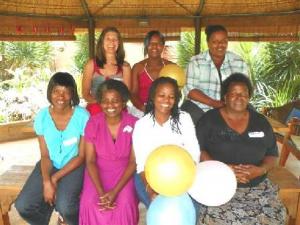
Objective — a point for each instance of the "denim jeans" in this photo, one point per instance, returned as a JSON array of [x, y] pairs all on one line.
[[34, 210], [141, 190], [145, 199]]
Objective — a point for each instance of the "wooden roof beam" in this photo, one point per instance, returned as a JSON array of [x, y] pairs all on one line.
[[81, 18], [104, 6], [182, 6]]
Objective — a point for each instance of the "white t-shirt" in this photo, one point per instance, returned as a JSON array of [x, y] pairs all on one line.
[[148, 135]]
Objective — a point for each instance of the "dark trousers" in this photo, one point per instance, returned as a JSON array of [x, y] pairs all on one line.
[[34, 210], [195, 112]]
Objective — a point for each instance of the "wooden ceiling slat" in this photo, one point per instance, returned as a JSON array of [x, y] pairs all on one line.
[[251, 16]]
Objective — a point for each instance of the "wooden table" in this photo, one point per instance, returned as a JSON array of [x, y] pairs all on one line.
[[296, 140], [278, 126], [11, 183]]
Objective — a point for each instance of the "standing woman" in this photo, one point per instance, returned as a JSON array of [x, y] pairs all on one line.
[[147, 70], [108, 64], [108, 195], [56, 180]]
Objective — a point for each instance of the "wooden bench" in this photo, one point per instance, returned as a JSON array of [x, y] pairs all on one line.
[[289, 192], [11, 183]]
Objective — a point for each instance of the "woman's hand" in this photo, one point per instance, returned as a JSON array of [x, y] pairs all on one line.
[[54, 181], [152, 194], [246, 172], [49, 192], [107, 200]]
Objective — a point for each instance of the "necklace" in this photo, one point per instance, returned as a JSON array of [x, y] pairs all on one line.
[[154, 75]]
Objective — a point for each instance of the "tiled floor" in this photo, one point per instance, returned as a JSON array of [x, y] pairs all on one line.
[[26, 152]]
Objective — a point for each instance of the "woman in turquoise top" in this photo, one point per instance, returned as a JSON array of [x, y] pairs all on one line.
[[56, 180]]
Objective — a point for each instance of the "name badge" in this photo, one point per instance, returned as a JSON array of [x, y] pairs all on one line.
[[127, 129], [256, 134], [70, 141]]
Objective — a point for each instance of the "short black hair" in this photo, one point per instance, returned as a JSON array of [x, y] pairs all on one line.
[[175, 110], [236, 78], [66, 80], [148, 37], [112, 84], [210, 29]]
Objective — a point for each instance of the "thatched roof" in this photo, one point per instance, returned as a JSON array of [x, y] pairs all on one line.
[[58, 19]]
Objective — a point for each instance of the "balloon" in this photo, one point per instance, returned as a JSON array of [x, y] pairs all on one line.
[[215, 183], [177, 210], [170, 170], [174, 71]]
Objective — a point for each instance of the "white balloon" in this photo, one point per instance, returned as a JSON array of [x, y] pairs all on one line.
[[215, 183]]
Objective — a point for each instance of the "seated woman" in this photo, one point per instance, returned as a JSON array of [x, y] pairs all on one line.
[[243, 139], [162, 124], [56, 180], [108, 195], [108, 63], [147, 70]]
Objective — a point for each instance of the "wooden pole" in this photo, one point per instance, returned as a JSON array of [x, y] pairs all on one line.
[[91, 28], [91, 38], [197, 35]]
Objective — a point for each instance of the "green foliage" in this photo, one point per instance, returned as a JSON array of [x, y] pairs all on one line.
[[248, 51], [24, 63], [282, 60], [82, 53], [24, 66], [31, 55], [186, 47], [2, 119], [277, 73]]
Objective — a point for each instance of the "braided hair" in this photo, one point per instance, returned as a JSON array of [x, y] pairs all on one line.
[[150, 108]]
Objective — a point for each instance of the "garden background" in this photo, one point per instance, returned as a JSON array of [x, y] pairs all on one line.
[[25, 69]]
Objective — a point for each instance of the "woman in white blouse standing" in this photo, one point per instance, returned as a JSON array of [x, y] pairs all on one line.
[[162, 124]]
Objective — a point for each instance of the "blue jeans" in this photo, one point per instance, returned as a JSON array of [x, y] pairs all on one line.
[[34, 210], [141, 190], [145, 198]]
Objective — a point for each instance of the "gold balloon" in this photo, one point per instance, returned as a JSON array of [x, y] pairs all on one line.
[[170, 170], [174, 71]]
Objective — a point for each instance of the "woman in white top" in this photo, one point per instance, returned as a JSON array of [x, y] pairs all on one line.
[[162, 124]]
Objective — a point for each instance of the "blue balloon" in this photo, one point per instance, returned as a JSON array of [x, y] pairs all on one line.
[[177, 210]]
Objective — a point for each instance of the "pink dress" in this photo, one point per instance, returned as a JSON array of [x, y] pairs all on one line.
[[112, 160]]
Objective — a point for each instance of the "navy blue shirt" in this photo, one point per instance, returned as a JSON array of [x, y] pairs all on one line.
[[224, 144]]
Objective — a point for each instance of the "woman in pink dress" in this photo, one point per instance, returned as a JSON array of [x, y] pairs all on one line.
[[147, 70], [108, 63], [108, 196]]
